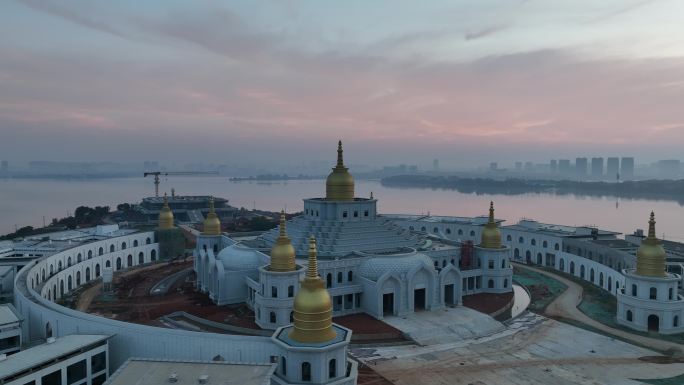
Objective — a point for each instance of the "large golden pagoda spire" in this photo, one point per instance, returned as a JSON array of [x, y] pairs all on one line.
[[212, 224], [651, 254], [312, 306], [165, 215], [340, 183], [283, 253], [491, 235]]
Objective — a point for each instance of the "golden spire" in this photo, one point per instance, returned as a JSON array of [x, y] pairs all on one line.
[[312, 306], [212, 224], [165, 215], [491, 235], [283, 253], [340, 184], [651, 255]]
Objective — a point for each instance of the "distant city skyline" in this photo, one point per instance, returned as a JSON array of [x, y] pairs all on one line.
[[280, 82]]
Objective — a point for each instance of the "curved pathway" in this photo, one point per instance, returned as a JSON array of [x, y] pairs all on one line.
[[565, 306]]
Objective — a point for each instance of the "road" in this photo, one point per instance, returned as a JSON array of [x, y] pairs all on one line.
[[565, 306]]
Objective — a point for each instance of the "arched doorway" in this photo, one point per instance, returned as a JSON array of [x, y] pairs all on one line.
[[653, 323], [528, 257]]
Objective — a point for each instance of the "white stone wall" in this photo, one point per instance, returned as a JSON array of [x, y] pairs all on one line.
[[643, 297]]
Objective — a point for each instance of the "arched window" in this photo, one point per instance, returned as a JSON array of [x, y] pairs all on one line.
[[78, 278], [339, 277], [472, 233], [108, 264], [118, 263], [675, 321], [448, 231], [503, 263], [87, 274], [123, 245], [48, 330], [306, 371], [634, 290], [533, 242], [505, 283], [148, 241], [290, 291], [411, 228], [629, 315], [556, 246], [670, 294], [435, 230], [111, 248], [90, 254], [591, 275], [79, 258], [51, 270], [561, 264], [141, 258], [509, 238], [601, 279], [215, 249], [100, 251], [97, 270], [69, 283], [129, 260], [572, 267], [272, 317], [444, 263], [545, 244], [283, 366], [422, 228], [653, 293], [68, 261], [521, 240], [135, 243], [332, 368], [582, 271], [350, 276], [274, 292], [460, 232], [328, 280], [153, 255], [490, 284]]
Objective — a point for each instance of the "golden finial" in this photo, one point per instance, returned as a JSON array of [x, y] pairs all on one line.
[[212, 224], [491, 235], [651, 255], [283, 253], [312, 270], [340, 184], [165, 215], [312, 305]]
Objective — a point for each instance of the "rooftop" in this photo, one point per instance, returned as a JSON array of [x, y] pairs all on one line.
[[619, 244], [478, 221], [157, 372], [62, 240], [8, 314], [38, 355], [559, 230]]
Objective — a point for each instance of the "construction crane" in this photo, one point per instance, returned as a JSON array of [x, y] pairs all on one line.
[[166, 173]]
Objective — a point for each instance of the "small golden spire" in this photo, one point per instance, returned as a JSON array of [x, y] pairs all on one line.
[[312, 305], [340, 183], [283, 253], [491, 235], [212, 224], [651, 255], [165, 215]]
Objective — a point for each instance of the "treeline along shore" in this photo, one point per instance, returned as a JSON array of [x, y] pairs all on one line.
[[644, 189]]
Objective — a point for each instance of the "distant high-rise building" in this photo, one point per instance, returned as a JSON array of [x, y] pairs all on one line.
[[627, 168], [553, 167], [564, 166], [597, 167], [612, 168], [581, 165], [529, 167], [493, 166], [518, 166], [435, 165]]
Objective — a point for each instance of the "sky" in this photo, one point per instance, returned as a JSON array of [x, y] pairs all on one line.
[[279, 82]]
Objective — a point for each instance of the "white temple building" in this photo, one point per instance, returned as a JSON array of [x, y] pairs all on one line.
[[369, 263]]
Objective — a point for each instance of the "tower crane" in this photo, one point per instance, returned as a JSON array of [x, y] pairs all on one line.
[[166, 173]]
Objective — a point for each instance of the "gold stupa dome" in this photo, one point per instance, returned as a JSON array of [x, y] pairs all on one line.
[[312, 306], [491, 235], [212, 224], [283, 253], [651, 255], [340, 183], [165, 215]]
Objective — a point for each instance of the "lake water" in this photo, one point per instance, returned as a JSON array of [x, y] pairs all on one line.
[[25, 202]]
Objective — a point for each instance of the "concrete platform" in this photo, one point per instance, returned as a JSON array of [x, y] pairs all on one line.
[[531, 350], [446, 325]]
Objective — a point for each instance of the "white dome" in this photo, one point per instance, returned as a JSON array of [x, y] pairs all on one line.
[[374, 267], [240, 257]]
